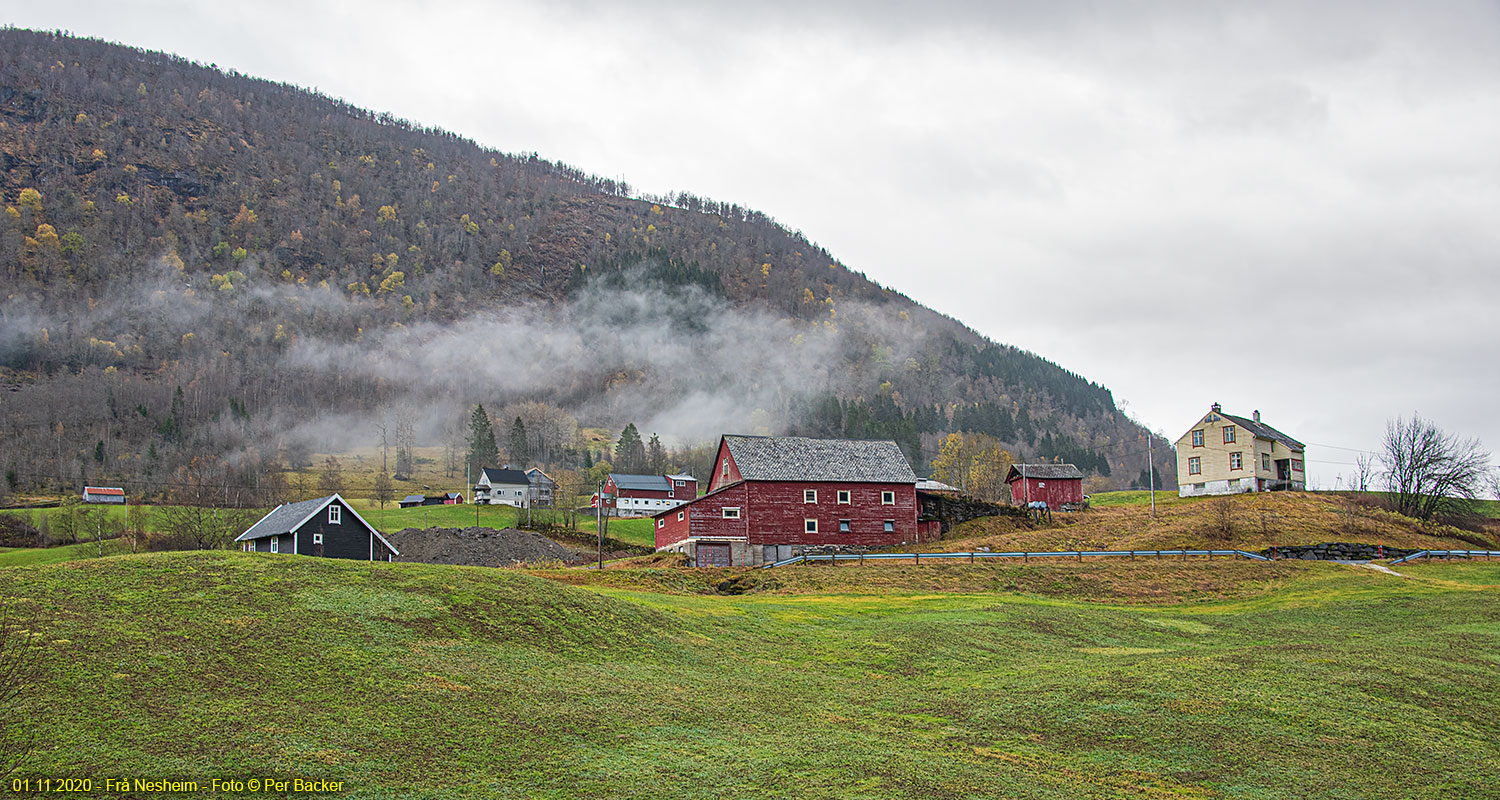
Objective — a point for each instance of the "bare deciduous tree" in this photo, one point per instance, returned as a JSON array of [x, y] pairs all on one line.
[[1429, 472]]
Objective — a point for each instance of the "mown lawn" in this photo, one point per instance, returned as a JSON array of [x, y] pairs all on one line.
[[429, 681]]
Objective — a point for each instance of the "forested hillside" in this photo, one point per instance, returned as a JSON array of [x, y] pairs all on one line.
[[198, 264]]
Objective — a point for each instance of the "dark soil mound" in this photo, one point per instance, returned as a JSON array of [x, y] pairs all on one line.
[[477, 547]]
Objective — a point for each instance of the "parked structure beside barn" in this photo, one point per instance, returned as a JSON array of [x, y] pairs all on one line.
[[1060, 486], [771, 497], [327, 527], [643, 495], [111, 495], [1226, 454]]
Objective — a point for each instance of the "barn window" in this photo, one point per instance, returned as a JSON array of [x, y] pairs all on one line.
[[809, 495], [334, 512], [1228, 434], [732, 512], [317, 538], [887, 498], [679, 483], [275, 544], [726, 467], [680, 515], [1236, 460], [809, 526], [890, 526], [1197, 438], [661, 523], [1195, 466], [843, 495], [843, 526]]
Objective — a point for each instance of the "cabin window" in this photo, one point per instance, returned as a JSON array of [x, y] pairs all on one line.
[[275, 544], [843, 495], [1228, 434], [887, 498], [809, 526], [1265, 461], [843, 526], [1236, 461], [317, 538], [334, 514], [680, 515], [890, 526], [809, 495], [1197, 438], [732, 512], [1195, 466]]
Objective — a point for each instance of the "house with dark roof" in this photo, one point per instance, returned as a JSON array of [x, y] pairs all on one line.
[[772, 497], [502, 487], [411, 501], [327, 526], [1060, 486], [644, 495], [1227, 454]]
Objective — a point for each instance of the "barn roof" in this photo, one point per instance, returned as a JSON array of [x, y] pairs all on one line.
[[640, 483], [933, 485], [1044, 471], [508, 476], [111, 490], [1263, 430], [796, 458], [288, 517], [683, 477]]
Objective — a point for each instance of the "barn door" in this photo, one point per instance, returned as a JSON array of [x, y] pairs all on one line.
[[713, 555]]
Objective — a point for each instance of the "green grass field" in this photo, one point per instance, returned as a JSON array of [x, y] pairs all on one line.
[[428, 681]]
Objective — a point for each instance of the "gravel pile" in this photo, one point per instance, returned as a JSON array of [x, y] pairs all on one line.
[[477, 547]]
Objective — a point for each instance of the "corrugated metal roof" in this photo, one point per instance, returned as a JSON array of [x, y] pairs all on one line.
[[641, 483], [1045, 471], [930, 485], [104, 490], [683, 477], [1263, 430], [413, 498], [796, 458]]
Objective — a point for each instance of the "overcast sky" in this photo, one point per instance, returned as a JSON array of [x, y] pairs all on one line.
[[1291, 207]]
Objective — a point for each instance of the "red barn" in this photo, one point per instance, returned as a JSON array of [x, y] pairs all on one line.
[[1053, 484], [770, 497], [640, 495]]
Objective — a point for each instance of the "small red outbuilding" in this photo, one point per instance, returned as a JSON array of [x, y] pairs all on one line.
[[1053, 484]]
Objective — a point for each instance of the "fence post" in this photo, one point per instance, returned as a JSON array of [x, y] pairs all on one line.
[[1080, 556], [861, 558], [918, 557], [1025, 557], [971, 556]]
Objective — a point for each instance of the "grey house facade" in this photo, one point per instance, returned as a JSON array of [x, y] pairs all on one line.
[[326, 527]]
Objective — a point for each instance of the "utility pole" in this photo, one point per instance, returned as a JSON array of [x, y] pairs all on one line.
[[1151, 474], [599, 522]]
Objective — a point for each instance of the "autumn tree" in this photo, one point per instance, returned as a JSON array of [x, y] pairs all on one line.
[[976, 464], [331, 477]]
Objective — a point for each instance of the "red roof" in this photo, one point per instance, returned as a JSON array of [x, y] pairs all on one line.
[[104, 490]]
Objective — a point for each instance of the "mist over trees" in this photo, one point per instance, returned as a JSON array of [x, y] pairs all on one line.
[[198, 263]]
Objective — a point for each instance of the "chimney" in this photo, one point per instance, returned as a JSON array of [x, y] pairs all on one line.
[[1257, 415], [1216, 408]]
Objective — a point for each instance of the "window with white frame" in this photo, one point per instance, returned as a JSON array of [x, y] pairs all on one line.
[[809, 495], [726, 467], [890, 526], [1236, 460], [731, 512], [1197, 438], [317, 538], [844, 496], [275, 544], [1195, 466], [661, 523], [843, 526], [681, 515], [887, 498], [335, 514], [1228, 434], [809, 526]]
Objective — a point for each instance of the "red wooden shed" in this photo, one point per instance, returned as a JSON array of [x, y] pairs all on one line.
[[1053, 484]]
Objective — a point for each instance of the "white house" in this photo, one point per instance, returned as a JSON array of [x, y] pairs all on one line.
[[502, 487]]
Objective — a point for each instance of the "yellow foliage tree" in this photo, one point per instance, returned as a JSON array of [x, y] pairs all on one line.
[[976, 464]]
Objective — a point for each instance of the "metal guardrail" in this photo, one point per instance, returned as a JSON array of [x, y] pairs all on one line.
[[1487, 554], [1079, 555]]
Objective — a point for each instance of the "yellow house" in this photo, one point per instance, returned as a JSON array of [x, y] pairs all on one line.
[[1225, 454]]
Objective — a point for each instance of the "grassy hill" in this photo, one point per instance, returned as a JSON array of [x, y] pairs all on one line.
[[438, 681], [1246, 521]]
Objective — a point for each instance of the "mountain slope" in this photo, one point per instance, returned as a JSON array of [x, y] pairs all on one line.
[[197, 262]]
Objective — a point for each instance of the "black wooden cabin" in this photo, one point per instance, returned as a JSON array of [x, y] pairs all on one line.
[[326, 527]]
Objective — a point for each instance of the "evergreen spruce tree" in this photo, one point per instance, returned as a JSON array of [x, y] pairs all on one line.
[[656, 456], [520, 447], [482, 449], [630, 452]]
